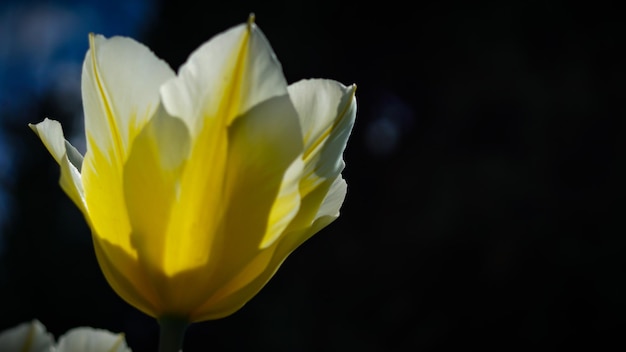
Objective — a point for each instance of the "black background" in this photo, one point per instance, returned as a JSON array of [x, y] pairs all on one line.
[[486, 185]]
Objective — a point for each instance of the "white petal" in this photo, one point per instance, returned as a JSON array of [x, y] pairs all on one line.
[[327, 110], [66, 155], [120, 91], [224, 78], [26, 337], [86, 339], [332, 203]]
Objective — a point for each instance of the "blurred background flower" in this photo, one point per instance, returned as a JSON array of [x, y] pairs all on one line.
[[33, 337], [486, 174]]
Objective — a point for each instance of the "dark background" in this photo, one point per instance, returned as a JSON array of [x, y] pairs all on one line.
[[486, 185]]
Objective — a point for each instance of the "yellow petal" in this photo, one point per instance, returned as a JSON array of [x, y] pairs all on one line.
[[261, 187], [127, 277], [327, 212], [51, 135], [120, 84], [151, 186], [233, 295], [135, 269]]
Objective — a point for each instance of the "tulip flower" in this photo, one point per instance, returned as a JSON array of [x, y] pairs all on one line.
[[197, 185]]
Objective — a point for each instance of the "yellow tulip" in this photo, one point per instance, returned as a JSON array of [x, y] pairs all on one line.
[[197, 185]]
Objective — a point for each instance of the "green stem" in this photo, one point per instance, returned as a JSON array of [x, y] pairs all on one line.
[[172, 334]]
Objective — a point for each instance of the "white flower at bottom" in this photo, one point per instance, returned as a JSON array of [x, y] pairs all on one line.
[[26, 337], [33, 337], [87, 339]]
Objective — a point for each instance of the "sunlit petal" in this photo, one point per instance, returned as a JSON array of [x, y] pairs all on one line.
[[51, 135], [225, 77], [327, 111], [120, 91]]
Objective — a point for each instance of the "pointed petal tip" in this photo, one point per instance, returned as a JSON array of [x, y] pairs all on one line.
[[45, 121], [92, 37], [31, 125], [251, 19]]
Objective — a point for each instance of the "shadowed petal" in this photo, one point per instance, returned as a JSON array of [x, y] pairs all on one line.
[[151, 187], [233, 295]]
